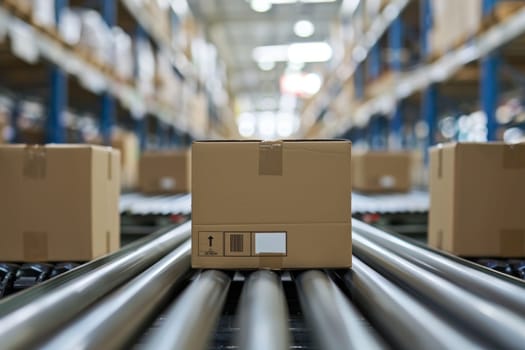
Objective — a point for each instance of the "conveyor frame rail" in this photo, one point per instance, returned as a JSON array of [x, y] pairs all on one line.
[[28, 324]]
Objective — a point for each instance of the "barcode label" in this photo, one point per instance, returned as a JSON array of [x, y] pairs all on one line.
[[236, 243]]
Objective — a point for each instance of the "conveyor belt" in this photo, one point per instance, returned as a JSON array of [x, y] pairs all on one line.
[[411, 202], [141, 215], [140, 204], [398, 295]]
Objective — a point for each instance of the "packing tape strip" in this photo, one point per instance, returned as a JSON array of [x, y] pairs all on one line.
[[271, 158], [514, 156]]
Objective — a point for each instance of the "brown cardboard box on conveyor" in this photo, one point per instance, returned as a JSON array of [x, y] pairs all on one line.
[[476, 199], [58, 202], [282, 204]]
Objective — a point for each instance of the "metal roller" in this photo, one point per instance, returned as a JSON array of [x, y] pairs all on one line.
[[334, 321], [263, 314], [14, 302], [114, 322], [190, 322], [486, 285], [496, 325], [39, 318], [405, 322]]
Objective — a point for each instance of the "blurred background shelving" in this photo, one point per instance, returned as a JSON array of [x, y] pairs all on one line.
[[387, 74], [75, 70]]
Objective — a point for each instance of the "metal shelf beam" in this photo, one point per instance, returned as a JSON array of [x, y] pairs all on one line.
[[395, 42], [489, 82], [55, 132], [108, 103]]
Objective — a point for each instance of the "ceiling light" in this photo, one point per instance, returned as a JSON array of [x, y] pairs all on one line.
[[283, 2], [300, 84], [273, 53], [295, 53], [309, 52], [261, 5], [246, 124], [317, 1], [266, 65], [266, 125], [285, 124], [304, 28], [312, 84]]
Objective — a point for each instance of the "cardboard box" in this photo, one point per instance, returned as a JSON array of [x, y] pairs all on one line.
[[165, 172], [453, 21], [381, 171], [283, 204], [128, 145], [476, 199], [59, 202]]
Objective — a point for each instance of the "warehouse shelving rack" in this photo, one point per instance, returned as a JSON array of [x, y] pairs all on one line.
[[386, 93], [94, 78]]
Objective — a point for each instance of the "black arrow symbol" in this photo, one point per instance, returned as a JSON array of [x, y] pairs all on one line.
[[210, 239]]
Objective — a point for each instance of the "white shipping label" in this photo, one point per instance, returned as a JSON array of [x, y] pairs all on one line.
[[270, 242], [387, 181], [167, 183]]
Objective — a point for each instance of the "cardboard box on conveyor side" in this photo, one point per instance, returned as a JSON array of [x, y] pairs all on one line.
[[165, 171], [476, 199], [381, 171], [58, 202], [283, 204]]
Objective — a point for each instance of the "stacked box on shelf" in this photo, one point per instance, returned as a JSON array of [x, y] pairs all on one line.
[[44, 13], [371, 11], [108, 48], [122, 54], [31, 122], [145, 67], [453, 21], [199, 113], [128, 145], [168, 84], [504, 9], [41, 12], [160, 12]]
